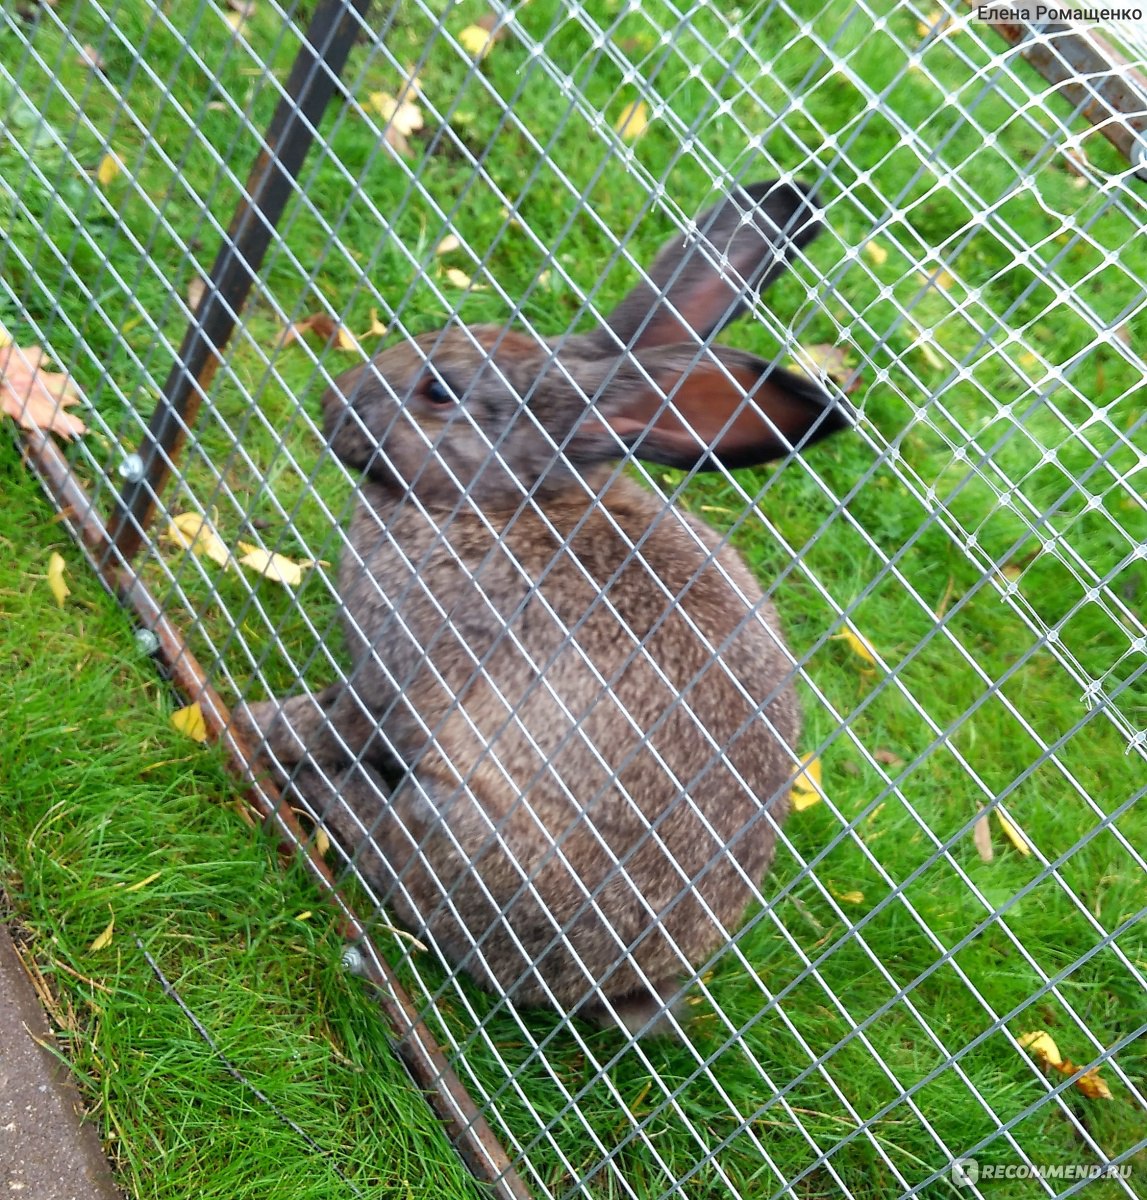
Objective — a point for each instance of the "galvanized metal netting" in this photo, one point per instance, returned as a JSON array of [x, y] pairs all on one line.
[[960, 576]]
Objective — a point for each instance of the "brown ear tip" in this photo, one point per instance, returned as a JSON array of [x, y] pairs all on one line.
[[789, 204]]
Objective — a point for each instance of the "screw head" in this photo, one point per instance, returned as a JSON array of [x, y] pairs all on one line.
[[131, 469], [1139, 156], [353, 961], [147, 642]]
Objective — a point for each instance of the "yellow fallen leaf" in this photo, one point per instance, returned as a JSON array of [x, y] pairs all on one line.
[[1042, 1045], [449, 244], [105, 938], [325, 326], [274, 566], [403, 114], [937, 23], [194, 532], [833, 361], [1089, 1083], [633, 120], [304, 916], [377, 328], [135, 887], [190, 721], [849, 897], [860, 646], [476, 41], [56, 568], [1013, 835], [459, 279], [924, 345], [806, 789], [110, 166], [936, 277], [875, 253]]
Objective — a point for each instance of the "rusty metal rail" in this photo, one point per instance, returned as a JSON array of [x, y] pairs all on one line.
[[1088, 71]]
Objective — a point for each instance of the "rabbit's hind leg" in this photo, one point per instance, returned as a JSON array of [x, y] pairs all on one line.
[[658, 1011]]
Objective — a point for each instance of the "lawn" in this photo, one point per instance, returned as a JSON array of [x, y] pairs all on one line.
[[863, 1030]]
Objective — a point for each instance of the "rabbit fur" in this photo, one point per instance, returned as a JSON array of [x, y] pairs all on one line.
[[564, 750]]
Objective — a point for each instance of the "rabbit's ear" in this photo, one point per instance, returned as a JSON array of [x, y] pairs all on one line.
[[731, 408], [698, 284]]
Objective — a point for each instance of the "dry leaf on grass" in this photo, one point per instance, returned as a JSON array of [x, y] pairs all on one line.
[[1089, 1083], [1013, 835], [936, 277], [190, 721], [1042, 1045], [476, 41], [888, 758], [459, 279], [859, 645], [402, 116], [193, 532], [448, 245], [377, 328], [195, 292], [633, 120], [56, 567], [875, 253], [849, 897], [36, 398], [923, 343], [110, 166], [806, 789], [275, 566], [105, 939], [937, 24], [323, 326], [836, 363], [91, 58]]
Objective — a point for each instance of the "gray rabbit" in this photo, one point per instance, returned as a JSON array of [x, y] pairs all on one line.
[[565, 747]]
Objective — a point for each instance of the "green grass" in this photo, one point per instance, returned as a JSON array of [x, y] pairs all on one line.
[[963, 707], [100, 797]]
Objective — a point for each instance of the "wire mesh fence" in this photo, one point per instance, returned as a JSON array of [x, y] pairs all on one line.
[[544, 706]]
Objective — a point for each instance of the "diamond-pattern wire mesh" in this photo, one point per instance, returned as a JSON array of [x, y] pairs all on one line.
[[981, 270]]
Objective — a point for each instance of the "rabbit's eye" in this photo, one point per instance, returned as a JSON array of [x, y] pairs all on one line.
[[437, 392]]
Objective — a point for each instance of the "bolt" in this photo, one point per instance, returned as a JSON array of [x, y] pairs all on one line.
[[131, 469], [1138, 156], [146, 642], [353, 961]]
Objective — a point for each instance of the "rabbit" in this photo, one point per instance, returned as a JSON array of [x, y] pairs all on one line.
[[564, 750]]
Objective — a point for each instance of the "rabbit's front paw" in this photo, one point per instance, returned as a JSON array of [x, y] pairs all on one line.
[[286, 731]]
